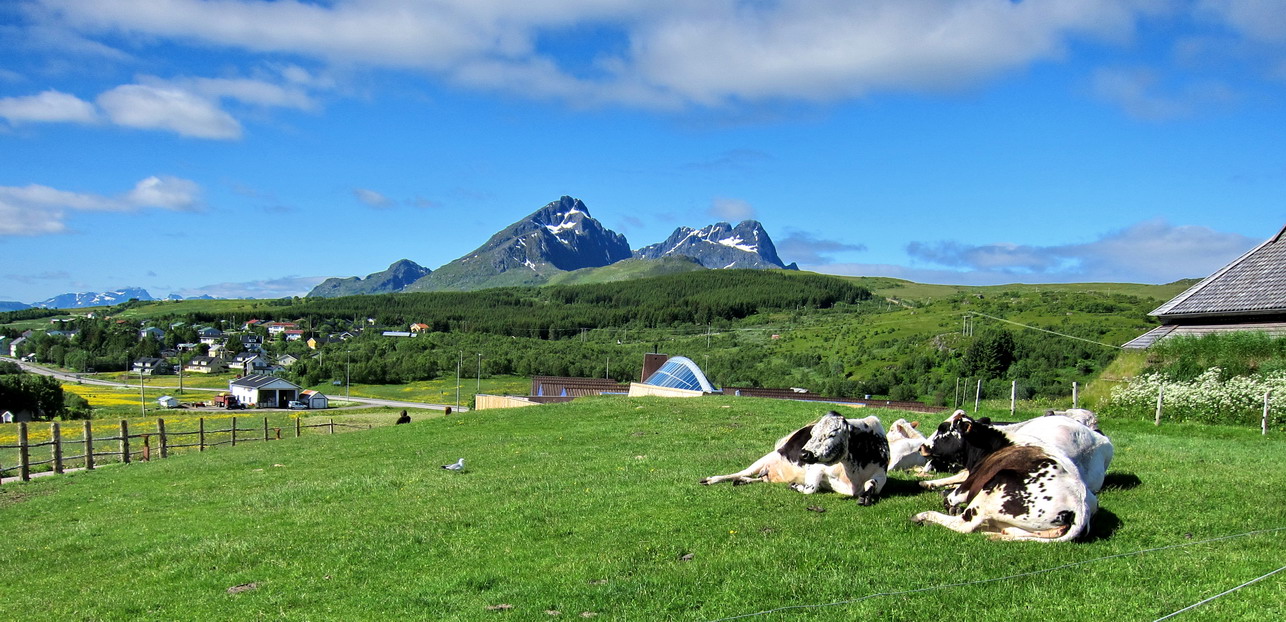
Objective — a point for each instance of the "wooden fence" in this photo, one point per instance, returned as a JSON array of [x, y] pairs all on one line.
[[125, 451]]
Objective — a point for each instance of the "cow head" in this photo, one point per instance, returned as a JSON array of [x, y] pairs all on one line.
[[828, 441], [947, 443]]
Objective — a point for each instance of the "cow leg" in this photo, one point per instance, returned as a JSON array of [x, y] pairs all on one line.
[[871, 490], [954, 523], [814, 475], [952, 480], [750, 474]]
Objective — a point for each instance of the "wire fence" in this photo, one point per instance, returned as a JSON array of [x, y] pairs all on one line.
[[126, 447]]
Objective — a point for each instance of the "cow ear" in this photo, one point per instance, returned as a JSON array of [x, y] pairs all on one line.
[[915, 424], [984, 420], [968, 427]]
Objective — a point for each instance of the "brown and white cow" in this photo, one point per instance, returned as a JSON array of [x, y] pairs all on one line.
[[848, 456], [1089, 450], [1015, 491]]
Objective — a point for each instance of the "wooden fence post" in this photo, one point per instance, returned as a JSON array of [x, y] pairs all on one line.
[[265, 428], [55, 431], [977, 395], [24, 455], [1075, 395], [1160, 399], [298, 426], [124, 441], [200, 431], [147, 448], [332, 426], [89, 446], [160, 432], [234, 431]]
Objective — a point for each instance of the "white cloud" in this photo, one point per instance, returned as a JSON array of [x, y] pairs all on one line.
[[1152, 251], [806, 248], [166, 192], [731, 210], [372, 198], [41, 210], [48, 107], [168, 108], [267, 288], [712, 52], [1142, 95]]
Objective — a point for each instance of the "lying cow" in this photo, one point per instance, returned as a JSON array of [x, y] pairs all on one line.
[[1089, 451], [849, 456], [904, 445], [1015, 492]]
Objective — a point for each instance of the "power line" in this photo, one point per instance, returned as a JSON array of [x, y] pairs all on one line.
[[1045, 330]]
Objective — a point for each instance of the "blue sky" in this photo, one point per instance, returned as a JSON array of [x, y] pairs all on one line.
[[249, 148]]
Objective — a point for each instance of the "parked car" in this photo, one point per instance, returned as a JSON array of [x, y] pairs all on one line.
[[297, 405]]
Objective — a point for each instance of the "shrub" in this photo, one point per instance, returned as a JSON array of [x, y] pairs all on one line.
[[1205, 399]]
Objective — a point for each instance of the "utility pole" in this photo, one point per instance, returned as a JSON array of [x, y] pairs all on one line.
[[347, 357], [142, 398], [479, 387], [457, 380]]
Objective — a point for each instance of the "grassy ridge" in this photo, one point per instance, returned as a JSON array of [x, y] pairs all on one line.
[[592, 507]]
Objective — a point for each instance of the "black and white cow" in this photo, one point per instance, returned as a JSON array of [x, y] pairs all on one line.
[[848, 456], [1013, 491], [1088, 450]]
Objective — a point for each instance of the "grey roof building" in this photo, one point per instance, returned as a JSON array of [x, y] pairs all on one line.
[[1247, 294]]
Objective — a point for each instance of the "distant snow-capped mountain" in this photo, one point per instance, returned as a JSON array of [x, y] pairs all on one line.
[[559, 237], [94, 299], [720, 246]]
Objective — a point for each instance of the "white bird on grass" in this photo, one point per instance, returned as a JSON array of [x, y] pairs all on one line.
[[458, 466]]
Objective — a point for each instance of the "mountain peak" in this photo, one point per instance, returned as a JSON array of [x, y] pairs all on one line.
[[720, 245], [559, 237], [397, 277]]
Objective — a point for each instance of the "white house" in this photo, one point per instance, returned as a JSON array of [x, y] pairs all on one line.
[[264, 391], [167, 401]]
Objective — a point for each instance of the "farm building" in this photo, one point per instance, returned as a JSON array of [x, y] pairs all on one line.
[[1248, 294], [314, 399], [167, 401], [264, 391]]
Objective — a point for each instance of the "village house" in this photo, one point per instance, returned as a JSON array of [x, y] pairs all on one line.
[[206, 365], [252, 343], [264, 391], [152, 367], [16, 345], [153, 332], [250, 363], [419, 328], [209, 336], [293, 334], [276, 328]]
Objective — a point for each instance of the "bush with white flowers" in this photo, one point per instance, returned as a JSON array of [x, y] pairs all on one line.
[[1205, 399]]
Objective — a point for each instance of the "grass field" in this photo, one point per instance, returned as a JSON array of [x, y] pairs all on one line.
[[593, 508]]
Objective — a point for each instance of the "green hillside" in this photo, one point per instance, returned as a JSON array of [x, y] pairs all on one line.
[[593, 509], [627, 270]]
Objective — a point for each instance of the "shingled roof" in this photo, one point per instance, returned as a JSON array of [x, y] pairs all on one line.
[[1253, 284]]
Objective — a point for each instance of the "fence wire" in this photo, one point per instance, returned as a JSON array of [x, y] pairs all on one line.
[[1033, 573]]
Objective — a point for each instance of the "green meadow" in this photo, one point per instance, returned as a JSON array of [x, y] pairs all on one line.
[[592, 510]]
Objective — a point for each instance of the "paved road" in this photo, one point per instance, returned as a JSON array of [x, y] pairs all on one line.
[[70, 377]]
